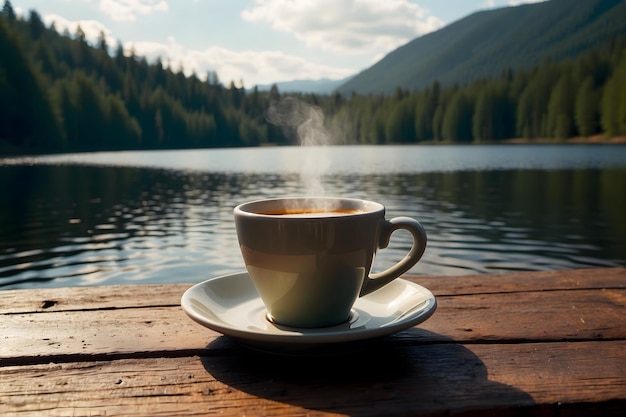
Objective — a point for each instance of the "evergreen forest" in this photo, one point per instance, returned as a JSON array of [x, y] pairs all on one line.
[[59, 93]]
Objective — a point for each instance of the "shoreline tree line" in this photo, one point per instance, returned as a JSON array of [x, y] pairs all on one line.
[[556, 100], [58, 93]]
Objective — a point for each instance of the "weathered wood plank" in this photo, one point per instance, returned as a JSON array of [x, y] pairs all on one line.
[[90, 298], [440, 379], [527, 281], [111, 297], [550, 343], [497, 317], [35, 337]]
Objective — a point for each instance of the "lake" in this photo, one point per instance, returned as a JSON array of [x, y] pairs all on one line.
[[166, 216]]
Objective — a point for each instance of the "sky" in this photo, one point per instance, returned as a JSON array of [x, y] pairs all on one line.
[[252, 42]]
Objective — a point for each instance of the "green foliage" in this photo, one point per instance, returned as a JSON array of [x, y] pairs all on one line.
[[66, 95], [494, 113], [560, 118], [425, 108], [400, 124], [532, 108], [613, 106], [457, 120], [8, 11], [27, 119], [559, 100], [586, 112]]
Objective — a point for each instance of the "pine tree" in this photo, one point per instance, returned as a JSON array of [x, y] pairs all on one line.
[[426, 105], [586, 112], [8, 11], [614, 101], [483, 120], [36, 25], [457, 120], [400, 126], [532, 107], [102, 42], [560, 118], [27, 118]]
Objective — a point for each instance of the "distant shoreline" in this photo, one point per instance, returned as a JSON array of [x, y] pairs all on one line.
[[596, 139], [8, 152], [600, 139]]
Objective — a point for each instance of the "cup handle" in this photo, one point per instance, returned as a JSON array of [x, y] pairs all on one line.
[[380, 279]]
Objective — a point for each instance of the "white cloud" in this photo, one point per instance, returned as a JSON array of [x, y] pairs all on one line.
[[251, 67], [490, 4], [518, 2], [91, 28], [127, 10], [346, 26]]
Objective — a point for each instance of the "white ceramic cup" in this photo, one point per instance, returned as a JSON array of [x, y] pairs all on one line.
[[309, 268]]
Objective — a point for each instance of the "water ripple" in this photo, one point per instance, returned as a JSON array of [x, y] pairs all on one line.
[[82, 225]]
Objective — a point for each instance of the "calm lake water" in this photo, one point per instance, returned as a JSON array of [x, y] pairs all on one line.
[[166, 216]]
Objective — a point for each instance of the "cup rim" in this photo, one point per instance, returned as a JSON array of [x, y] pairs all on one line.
[[246, 209]]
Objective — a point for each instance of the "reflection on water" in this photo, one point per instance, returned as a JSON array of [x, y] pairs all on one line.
[[82, 225]]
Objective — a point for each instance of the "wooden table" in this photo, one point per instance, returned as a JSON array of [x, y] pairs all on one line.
[[544, 343]]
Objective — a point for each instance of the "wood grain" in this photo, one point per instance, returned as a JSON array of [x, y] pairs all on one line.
[[503, 317], [541, 343], [548, 378], [133, 296]]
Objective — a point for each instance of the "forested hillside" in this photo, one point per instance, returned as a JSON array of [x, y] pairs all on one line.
[[488, 42], [60, 94], [555, 100]]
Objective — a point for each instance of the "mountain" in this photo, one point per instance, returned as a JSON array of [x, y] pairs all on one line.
[[323, 86], [485, 43]]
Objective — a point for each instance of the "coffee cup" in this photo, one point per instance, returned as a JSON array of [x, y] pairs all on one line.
[[310, 258]]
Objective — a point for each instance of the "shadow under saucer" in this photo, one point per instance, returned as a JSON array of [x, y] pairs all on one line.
[[414, 370]]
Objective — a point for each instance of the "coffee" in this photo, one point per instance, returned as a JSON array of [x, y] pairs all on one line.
[[311, 212]]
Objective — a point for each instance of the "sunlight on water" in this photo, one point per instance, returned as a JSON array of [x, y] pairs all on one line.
[[107, 219], [354, 159]]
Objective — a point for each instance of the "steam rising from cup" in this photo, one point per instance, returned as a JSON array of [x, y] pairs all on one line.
[[306, 122]]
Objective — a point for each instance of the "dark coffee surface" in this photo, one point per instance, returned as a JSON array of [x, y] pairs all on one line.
[[311, 212]]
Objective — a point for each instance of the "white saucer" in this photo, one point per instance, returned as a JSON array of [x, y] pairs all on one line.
[[231, 305]]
